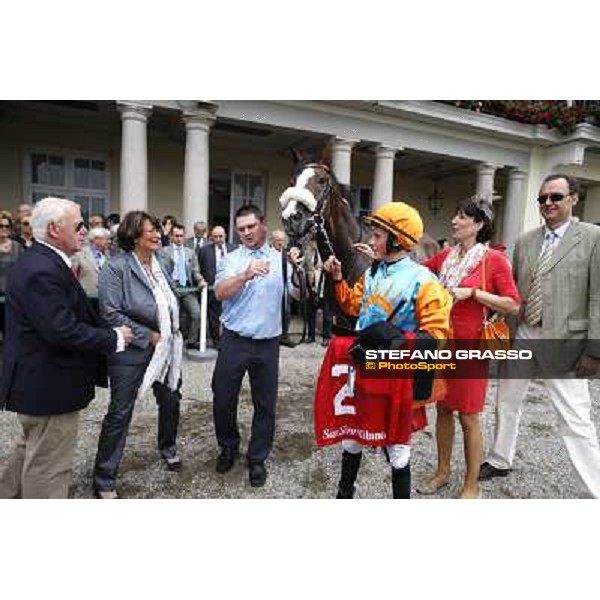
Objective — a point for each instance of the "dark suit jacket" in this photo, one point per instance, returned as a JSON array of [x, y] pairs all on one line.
[[207, 260], [53, 338]]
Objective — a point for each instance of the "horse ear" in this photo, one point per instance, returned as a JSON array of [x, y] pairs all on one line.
[[296, 156], [326, 156]]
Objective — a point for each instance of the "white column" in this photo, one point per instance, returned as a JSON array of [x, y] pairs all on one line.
[[195, 174], [383, 182], [341, 158], [591, 210], [485, 181], [134, 156], [514, 209]]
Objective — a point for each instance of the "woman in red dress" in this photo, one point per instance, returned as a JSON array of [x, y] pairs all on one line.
[[459, 270]]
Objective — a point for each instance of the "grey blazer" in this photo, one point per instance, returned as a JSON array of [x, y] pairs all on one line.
[[125, 298], [570, 287], [166, 256], [87, 272]]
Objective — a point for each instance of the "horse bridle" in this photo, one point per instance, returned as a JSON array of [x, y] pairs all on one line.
[[316, 222]]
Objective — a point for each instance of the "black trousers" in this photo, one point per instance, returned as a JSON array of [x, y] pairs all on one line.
[[125, 381], [261, 359], [213, 313]]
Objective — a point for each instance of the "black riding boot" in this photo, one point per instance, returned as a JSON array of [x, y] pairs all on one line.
[[350, 465], [401, 483]]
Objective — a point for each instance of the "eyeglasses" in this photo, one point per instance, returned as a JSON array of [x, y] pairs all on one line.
[[556, 197]]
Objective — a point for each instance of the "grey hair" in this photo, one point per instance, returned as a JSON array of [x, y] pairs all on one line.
[[200, 224], [46, 211], [98, 232]]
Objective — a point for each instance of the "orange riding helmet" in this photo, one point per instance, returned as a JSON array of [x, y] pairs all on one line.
[[401, 220]]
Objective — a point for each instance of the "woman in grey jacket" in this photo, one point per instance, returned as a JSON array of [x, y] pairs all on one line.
[[134, 290]]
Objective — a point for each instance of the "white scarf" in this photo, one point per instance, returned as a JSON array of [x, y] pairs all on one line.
[[165, 365], [457, 266]]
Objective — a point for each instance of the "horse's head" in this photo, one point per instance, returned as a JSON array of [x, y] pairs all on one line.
[[311, 185]]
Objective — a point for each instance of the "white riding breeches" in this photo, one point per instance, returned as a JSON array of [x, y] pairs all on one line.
[[398, 455]]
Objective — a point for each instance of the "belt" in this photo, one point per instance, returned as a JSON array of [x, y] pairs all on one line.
[[237, 336]]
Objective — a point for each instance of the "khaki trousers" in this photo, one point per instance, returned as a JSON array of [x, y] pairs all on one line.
[[41, 462]]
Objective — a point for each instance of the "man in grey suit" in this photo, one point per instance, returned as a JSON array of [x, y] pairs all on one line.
[[182, 265], [557, 270]]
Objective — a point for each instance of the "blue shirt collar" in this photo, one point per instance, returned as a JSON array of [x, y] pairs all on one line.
[[264, 250]]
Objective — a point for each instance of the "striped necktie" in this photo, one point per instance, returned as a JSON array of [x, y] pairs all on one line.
[[534, 306]]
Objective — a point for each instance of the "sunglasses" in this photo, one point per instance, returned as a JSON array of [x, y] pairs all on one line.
[[556, 197]]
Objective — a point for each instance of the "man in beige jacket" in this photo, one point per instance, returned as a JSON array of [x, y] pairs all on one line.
[[90, 259], [557, 270]]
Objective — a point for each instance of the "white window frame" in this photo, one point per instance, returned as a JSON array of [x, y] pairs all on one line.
[[69, 154]]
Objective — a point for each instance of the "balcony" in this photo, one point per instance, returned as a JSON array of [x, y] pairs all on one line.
[[562, 115]]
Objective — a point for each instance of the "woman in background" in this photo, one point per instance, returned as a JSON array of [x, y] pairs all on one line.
[[9, 253]]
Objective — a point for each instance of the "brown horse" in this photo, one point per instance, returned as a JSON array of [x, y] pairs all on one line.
[[315, 206]]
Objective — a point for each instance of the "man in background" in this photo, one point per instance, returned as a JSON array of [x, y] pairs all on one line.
[[209, 258], [182, 264], [88, 261], [278, 240], [199, 239]]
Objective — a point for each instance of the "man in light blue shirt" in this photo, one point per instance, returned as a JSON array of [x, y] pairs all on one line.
[[249, 283]]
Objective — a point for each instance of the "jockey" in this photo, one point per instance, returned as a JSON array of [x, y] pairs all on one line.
[[394, 280]]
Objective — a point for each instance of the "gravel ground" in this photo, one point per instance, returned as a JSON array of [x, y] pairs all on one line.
[[297, 469]]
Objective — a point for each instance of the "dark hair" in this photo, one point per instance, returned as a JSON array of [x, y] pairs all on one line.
[[249, 209], [441, 241], [177, 226], [480, 210], [168, 218], [4, 214], [132, 228], [571, 182], [113, 218]]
